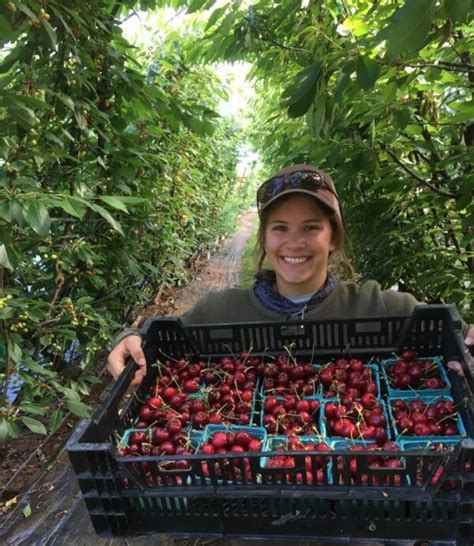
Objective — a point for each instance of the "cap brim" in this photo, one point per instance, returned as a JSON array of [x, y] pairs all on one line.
[[324, 196]]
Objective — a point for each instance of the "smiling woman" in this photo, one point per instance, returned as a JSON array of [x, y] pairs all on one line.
[[298, 240], [301, 230]]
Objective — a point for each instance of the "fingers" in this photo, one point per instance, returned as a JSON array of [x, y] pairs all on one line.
[[138, 377], [456, 367], [469, 341], [130, 346]]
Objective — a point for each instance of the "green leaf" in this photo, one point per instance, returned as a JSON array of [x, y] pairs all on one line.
[[56, 420], [409, 27], [115, 202], [15, 352], [81, 120], [51, 33], [215, 15], [9, 61], [13, 429], [66, 100], [4, 258], [465, 111], [107, 216], [358, 24], [37, 368], [31, 101], [195, 5], [79, 408], [71, 394], [27, 511], [316, 115], [5, 312], [35, 409], [458, 10], [5, 29], [24, 117], [368, 71], [33, 424], [389, 92], [301, 99], [3, 429], [130, 200], [26, 10], [401, 118], [37, 217], [73, 206]]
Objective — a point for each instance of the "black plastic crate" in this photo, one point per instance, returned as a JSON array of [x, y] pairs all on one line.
[[121, 501]]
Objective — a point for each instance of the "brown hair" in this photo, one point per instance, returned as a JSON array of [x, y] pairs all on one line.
[[340, 262]]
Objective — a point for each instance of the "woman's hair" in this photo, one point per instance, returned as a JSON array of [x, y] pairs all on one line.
[[339, 261]]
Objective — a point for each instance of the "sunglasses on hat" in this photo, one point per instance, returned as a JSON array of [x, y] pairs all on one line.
[[307, 181]]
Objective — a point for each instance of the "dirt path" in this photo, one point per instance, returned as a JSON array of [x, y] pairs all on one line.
[[223, 269]]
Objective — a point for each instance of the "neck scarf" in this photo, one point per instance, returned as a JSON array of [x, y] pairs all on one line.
[[275, 302]]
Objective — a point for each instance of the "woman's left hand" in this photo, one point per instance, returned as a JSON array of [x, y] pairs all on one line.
[[469, 342]]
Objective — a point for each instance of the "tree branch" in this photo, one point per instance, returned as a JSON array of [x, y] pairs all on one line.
[[420, 179], [441, 65], [283, 46]]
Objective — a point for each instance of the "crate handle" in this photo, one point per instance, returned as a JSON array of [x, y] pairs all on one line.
[[170, 324]]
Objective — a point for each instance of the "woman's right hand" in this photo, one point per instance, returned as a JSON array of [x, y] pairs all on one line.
[[129, 346]]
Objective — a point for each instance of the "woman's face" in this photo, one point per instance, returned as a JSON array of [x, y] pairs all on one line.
[[298, 241]]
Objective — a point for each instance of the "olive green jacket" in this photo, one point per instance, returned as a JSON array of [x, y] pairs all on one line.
[[347, 301]]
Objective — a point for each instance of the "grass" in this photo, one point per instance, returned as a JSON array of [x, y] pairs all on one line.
[[247, 269]]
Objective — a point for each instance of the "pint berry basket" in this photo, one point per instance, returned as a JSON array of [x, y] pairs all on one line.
[[438, 368], [375, 377], [368, 464], [122, 502], [427, 401], [298, 464], [233, 468]]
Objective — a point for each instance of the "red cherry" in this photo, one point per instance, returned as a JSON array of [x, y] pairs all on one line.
[[154, 402], [219, 440]]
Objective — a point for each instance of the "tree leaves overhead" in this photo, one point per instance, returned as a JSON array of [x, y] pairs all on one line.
[[408, 28], [458, 10], [301, 99], [368, 71], [37, 217]]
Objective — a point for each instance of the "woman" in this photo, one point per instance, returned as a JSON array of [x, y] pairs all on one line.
[[301, 230]]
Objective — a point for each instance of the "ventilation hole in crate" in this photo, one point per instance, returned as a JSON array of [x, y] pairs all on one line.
[[265, 508], [322, 337], [329, 336]]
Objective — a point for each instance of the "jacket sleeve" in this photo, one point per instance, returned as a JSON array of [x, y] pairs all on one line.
[[126, 333], [400, 303]]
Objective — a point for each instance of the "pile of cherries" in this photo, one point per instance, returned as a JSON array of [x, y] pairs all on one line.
[[379, 459], [283, 376], [347, 378], [314, 466], [227, 442], [419, 418], [362, 419], [289, 414], [410, 373]]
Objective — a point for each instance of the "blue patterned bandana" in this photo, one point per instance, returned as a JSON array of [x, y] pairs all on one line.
[[275, 302]]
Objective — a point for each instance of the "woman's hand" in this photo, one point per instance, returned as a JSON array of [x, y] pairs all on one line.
[[469, 342], [129, 346]]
